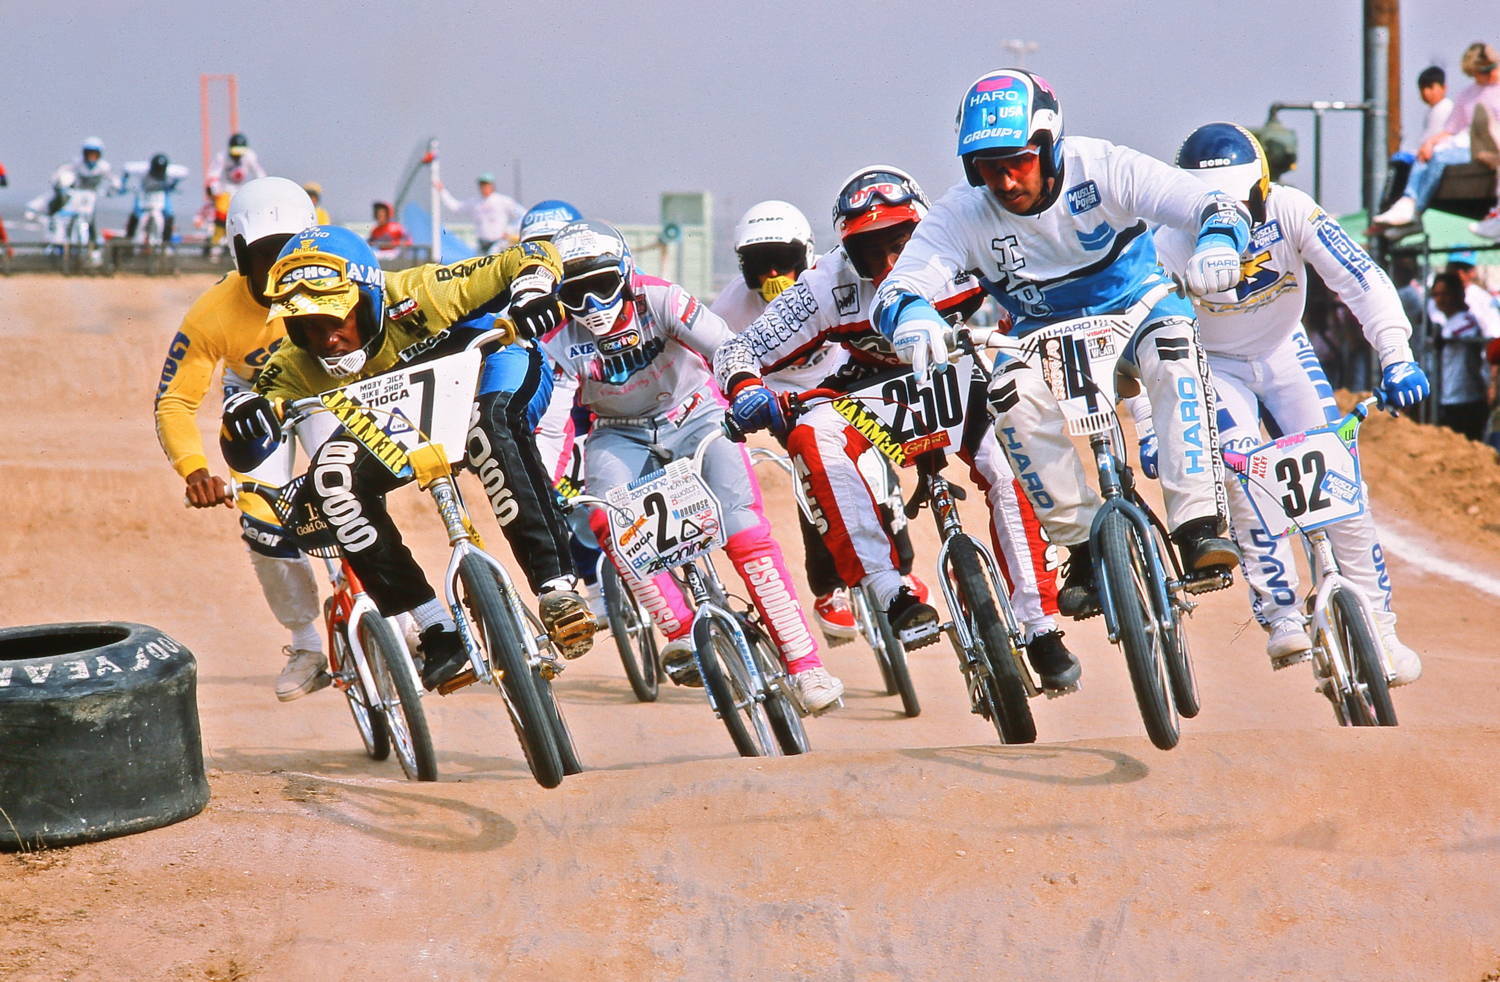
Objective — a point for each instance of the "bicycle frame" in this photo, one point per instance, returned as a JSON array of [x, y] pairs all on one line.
[[348, 605]]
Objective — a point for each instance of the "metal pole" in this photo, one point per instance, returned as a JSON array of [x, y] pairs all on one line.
[[1318, 155], [435, 201], [1377, 44], [205, 121], [517, 173], [234, 103]]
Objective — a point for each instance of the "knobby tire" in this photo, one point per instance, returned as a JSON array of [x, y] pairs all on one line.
[[405, 720], [1010, 711], [1127, 570], [1370, 702]]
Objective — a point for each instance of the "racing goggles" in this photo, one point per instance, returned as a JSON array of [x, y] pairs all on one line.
[[311, 283], [602, 287], [891, 189]]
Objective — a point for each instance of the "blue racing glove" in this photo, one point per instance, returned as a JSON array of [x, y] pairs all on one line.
[[755, 407], [1148, 455], [1403, 384]]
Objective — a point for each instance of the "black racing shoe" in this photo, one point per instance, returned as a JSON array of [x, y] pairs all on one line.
[[1203, 547], [1078, 597], [443, 656], [916, 623], [1055, 665]]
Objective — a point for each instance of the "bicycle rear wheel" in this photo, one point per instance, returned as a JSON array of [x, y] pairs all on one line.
[[360, 693], [719, 663], [499, 635], [400, 701], [1002, 691], [890, 653], [781, 709], [1369, 704], [1128, 572], [634, 638]]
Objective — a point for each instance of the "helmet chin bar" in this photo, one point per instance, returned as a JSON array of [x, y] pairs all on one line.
[[601, 320], [344, 364]]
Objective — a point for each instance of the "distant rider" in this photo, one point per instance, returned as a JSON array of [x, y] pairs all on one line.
[[159, 176]]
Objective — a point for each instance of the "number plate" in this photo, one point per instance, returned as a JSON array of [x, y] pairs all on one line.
[[665, 519], [903, 416], [1305, 481], [1078, 359]]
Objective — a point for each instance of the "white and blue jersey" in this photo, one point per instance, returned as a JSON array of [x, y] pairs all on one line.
[[1089, 252]]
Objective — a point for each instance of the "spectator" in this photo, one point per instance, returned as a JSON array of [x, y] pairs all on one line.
[[1408, 280], [235, 167], [1492, 358], [388, 237], [1462, 396], [4, 238], [497, 217], [315, 192], [1432, 86], [1450, 144]]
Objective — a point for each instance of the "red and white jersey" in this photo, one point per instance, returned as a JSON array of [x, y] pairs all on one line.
[[829, 305], [740, 306], [1263, 311], [653, 364]]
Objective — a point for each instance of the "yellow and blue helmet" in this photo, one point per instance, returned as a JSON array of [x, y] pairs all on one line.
[[328, 270], [1227, 157]]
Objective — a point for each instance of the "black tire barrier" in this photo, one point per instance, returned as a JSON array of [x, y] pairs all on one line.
[[98, 733]]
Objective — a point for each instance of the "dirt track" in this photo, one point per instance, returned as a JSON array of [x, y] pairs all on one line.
[[1270, 844]]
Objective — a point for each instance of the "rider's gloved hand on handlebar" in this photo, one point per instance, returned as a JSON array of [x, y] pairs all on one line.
[[1214, 267], [756, 407], [1403, 384], [1149, 449], [920, 337], [533, 303], [250, 417]]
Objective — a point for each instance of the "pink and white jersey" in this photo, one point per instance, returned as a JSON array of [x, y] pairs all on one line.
[[1263, 311], [828, 306], [740, 306], [650, 366]]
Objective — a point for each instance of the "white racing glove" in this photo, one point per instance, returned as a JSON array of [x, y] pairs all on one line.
[[919, 337], [1214, 268]]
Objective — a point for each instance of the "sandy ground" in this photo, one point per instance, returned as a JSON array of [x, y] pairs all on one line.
[[1270, 845]]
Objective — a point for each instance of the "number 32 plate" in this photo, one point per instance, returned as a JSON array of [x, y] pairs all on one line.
[[665, 519], [1304, 482]]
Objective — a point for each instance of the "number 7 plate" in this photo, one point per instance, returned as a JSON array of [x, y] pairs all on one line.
[[665, 519], [1305, 481]]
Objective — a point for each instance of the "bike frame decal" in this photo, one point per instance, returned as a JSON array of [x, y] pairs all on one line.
[[366, 431]]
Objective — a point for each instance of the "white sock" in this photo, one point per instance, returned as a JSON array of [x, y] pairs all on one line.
[[431, 613], [307, 637], [559, 583]]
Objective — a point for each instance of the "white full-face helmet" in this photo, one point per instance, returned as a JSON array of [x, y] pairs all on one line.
[[264, 209], [597, 270], [774, 242]]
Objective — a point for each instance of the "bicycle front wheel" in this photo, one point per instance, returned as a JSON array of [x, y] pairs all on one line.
[[362, 695], [1001, 690], [399, 699], [634, 638], [498, 633], [723, 676], [890, 653], [1129, 574], [781, 709], [1179, 659], [1369, 701]]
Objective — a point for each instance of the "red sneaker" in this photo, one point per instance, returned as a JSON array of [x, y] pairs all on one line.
[[916, 586], [834, 615]]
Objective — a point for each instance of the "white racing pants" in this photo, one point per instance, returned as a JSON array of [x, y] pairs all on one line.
[[826, 449], [1166, 357], [1288, 392]]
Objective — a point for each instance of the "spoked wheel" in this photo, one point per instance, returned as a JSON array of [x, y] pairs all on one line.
[[498, 633], [1129, 574], [634, 639], [396, 682], [725, 678], [367, 717], [1179, 658], [890, 653], [1369, 704], [781, 708], [1001, 690]]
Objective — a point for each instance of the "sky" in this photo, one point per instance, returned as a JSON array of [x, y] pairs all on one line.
[[608, 104]]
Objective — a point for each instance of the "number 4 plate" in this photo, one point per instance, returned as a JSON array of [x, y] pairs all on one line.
[[665, 519], [1304, 482]]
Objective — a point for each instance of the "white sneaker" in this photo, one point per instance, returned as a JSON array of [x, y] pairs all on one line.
[[1489, 226], [593, 596], [819, 690], [304, 672], [678, 662], [1288, 643], [1402, 665], [1403, 212]]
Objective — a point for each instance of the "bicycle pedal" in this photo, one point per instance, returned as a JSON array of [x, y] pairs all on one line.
[[1287, 661], [920, 637], [463, 678], [549, 668], [1065, 690]]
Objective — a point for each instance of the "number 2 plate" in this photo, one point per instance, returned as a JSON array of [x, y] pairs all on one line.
[[1303, 482], [665, 519]]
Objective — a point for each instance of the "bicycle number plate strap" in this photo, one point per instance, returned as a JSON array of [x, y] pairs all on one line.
[[392, 412], [904, 416], [1078, 359], [1305, 481], [665, 519]]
